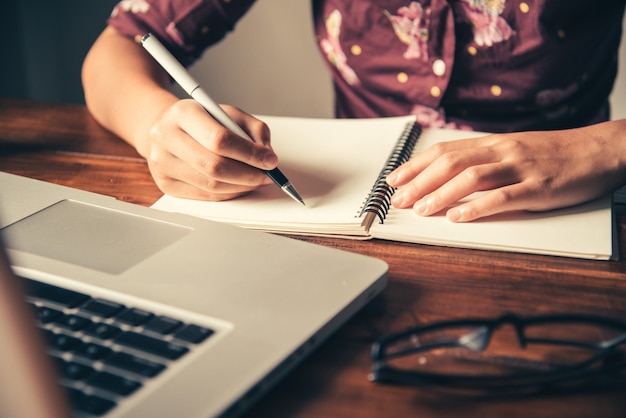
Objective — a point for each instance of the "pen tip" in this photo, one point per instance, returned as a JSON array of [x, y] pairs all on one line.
[[291, 191], [298, 198]]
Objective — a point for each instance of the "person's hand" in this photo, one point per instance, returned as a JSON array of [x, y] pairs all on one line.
[[532, 171], [191, 155]]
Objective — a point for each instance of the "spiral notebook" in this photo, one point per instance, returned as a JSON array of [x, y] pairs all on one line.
[[339, 167]]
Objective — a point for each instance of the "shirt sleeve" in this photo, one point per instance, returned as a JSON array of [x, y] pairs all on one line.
[[185, 27]]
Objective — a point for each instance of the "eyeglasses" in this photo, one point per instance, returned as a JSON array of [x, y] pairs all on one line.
[[540, 353]]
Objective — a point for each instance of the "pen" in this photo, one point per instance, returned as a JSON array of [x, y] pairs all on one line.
[[176, 70]]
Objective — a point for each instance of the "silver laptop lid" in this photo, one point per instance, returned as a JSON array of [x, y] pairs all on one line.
[[271, 299]]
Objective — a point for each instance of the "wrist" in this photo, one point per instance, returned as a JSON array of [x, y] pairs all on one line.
[[155, 105]]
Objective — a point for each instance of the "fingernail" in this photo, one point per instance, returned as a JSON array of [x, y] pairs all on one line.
[[398, 198], [420, 207], [392, 178], [454, 215]]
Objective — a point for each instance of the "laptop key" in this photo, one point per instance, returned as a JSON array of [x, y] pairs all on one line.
[[102, 330], [113, 383], [72, 370], [58, 295], [72, 322], [102, 307], [163, 325], [134, 364], [90, 404], [151, 345], [194, 333], [134, 316], [46, 314], [61, 342], [93, 351]]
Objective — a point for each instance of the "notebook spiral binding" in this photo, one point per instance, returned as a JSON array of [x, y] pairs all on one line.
[[378, 201]]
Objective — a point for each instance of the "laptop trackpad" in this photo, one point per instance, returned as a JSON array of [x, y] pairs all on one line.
[[91, 236]]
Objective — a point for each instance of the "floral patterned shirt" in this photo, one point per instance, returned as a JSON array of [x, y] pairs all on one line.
[[489, 65]]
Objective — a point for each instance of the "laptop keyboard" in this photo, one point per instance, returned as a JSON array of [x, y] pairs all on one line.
[[105, 351]]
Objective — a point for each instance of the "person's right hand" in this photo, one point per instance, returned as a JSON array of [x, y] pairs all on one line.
[[191, 155]]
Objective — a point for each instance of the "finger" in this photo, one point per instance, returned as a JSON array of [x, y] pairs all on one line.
[[214, 137], [189, 162], [218, 168], [175, 177], [422, 160], [254, 127], [471, 180], [504, 199], [184, 190], [441, 171]]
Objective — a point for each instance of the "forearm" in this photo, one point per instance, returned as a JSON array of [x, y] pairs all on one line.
[[125, 90]]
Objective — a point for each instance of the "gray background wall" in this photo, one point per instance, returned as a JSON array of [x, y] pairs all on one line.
[[269, 65]]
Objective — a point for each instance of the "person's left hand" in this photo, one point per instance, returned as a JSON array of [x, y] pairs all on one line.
[[533, 171]]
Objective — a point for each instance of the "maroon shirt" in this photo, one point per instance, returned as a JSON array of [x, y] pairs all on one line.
[[488, 65]]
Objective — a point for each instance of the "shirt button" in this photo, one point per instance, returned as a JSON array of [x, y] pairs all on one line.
[[435, 91], [496, 90], [439, 67], [402, 77], [472, 50], [356, 50], [524, 7]]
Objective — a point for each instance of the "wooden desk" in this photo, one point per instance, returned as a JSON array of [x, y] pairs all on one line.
[[63, 144]]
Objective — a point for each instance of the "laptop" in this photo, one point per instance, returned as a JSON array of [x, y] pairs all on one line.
[[148, 313]]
